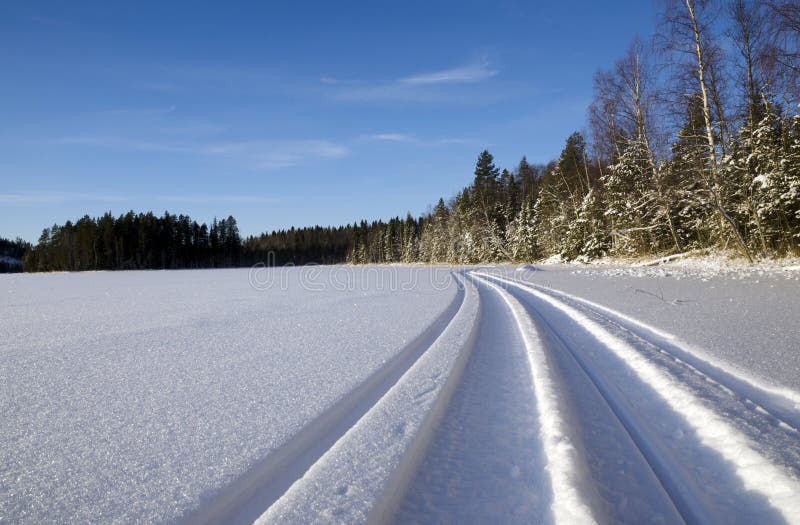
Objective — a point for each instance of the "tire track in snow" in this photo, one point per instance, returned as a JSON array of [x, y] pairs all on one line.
[[246, 498], [731, 457]]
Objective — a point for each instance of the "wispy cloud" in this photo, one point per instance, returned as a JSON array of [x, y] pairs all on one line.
[[407, 138], [190, 128], [465, 141], [105, 141], [214, 79], [38, 198], [270, 155], [262, 155], [458, 84], [142, 111], [468, 73], [237, 199], [49, 197], [48, 20], [160, 87], [391, 137]]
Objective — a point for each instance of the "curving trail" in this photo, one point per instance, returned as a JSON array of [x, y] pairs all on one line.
[[522, 404], [717, 453]]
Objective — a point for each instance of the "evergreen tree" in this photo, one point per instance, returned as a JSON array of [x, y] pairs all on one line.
[[629, 200], [486, 175], [522, 235]]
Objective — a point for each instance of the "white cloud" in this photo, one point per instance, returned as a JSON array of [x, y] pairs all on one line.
[[142, 111], [50, 197], [106, 141], [254, 154], [464, 141], [421, 141], [193, 199], [23, 198], [268, 155], [391, 137], [455, 85], [468, 73]]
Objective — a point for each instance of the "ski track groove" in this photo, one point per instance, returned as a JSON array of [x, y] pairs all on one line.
[[485, 459], [655, 359], [653, 463], [250, 495], [779, 489], [774, 411], [573, 498], [781, 403], [372, 464]]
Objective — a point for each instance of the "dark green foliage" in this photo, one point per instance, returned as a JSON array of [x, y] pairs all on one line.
[[136, 241], [11, 254], [145, 241]]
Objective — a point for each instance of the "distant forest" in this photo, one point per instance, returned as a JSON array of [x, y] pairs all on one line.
[[692, 142], [11, 254]]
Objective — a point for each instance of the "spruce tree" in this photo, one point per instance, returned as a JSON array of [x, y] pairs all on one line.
[[522, 236]]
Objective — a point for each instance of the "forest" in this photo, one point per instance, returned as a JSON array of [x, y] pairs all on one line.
[[11, 254], [692, 142]]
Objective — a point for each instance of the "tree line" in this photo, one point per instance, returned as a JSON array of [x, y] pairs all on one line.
[[11, 254], [692, 142], [136, 241]]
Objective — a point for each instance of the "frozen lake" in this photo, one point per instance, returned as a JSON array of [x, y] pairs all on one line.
[[351, 394]]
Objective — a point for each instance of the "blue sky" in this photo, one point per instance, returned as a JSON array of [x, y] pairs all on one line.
[[285, 113]]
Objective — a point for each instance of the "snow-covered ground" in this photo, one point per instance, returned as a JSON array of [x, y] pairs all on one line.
[[524, 394], [746, 315]]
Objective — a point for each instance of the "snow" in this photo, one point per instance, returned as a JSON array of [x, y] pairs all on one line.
[[756, 473], [563, 461], [374, 460], [743, 316], [537, 394], [777, 399], [138, 396], [485, 461]]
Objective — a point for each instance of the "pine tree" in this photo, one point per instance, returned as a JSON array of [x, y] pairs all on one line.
[[521, 235], [527, 181], [586, 237], [486, 174], [561, 195], [689, 178], [549, 225], [629, 200], [791, 196], [776, 183]]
